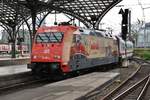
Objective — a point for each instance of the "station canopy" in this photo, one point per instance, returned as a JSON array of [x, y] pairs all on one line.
[[89, 12]]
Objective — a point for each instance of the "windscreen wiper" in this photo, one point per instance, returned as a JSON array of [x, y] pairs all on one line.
[[56, 37], [40, 38], [48, 37]]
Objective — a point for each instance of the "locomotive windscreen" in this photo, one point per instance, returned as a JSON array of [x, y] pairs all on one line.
[[49, 37]]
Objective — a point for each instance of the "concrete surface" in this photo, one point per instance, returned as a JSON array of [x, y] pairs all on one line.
[[14, 61], [69, 89], [10, 80], [14, 69]]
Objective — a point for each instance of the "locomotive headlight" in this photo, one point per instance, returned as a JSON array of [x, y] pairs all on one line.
[[57, 57], [65, 63]]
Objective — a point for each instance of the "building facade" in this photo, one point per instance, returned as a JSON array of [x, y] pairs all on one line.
[[143, 39]]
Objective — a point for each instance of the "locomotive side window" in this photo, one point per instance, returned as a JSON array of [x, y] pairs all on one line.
[[99, 34], [76, 38], [49, 37]]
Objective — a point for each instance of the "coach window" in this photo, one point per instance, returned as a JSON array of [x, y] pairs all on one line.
[[93, 33]]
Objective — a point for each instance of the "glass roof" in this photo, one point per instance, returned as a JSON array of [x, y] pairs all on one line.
[[90, 12]]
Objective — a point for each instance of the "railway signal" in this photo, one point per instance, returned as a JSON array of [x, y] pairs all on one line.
[[125, 23]]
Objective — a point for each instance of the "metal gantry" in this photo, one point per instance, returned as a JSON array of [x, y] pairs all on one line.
[[13, 13], [89, 12]]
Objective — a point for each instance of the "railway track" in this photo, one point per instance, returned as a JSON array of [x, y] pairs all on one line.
[[29, 80], [136, 87], [135, 92]]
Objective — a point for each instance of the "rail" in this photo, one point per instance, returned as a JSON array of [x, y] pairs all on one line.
[[140, 77], [144, 81]]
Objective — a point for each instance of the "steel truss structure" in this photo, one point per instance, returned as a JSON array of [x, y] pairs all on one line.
[[89, 12]]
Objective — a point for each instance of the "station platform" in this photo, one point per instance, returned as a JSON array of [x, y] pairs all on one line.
[[14, 61], [70, 89], [13, 69]]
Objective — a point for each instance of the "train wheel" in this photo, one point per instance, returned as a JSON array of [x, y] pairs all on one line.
[[75, 73], [58, 76]]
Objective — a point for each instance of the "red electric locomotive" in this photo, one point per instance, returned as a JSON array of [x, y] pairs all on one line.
[[67, 48]]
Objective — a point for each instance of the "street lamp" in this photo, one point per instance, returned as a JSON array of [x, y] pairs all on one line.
[[144, 23]]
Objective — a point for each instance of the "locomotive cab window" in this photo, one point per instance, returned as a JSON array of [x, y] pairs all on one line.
[[49, 37]]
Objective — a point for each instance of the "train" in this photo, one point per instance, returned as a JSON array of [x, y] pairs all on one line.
[[67, 48]]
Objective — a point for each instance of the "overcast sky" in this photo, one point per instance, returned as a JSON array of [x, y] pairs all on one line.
[[113, 19]]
